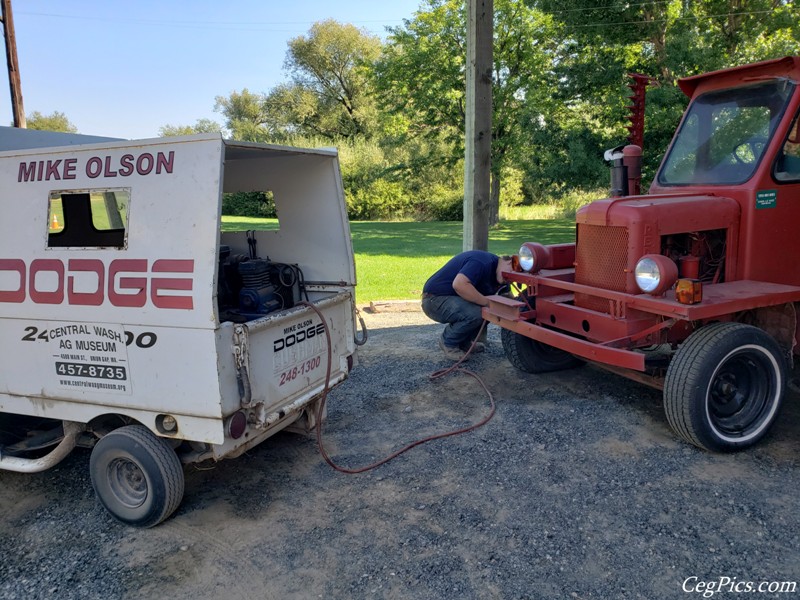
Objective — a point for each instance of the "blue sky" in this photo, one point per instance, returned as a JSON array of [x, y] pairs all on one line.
[[124, 69]]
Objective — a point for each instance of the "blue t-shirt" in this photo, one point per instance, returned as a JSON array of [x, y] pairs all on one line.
[[478, 266]]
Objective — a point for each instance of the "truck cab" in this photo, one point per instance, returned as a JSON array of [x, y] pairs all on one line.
[[690, 288], [134, 323]]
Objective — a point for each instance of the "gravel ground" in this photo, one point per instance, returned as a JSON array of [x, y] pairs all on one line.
[[576, 489]]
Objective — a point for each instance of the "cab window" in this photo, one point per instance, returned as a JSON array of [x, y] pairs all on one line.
[[787, 166], [724, 135]]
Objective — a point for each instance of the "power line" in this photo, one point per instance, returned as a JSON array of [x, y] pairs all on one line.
[[691, 18], [234, 25], [617, 6]]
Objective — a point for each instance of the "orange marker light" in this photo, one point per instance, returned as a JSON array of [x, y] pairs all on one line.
[[689, 291]]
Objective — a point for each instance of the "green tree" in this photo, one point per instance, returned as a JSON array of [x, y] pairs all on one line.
[[328, 93], [200, 126], [244, 116], [421, 77], [602, 40], [57, 121]]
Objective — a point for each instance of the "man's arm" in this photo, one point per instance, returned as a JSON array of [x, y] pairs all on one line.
[[464, 288]]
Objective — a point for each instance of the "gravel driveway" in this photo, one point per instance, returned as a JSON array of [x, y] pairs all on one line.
[[576, 489]]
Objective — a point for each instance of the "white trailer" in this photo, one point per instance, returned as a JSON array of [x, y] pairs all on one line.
[[131, 324]]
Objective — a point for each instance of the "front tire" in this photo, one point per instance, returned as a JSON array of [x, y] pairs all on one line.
[[724, 386], [137, 476], [531, 356]]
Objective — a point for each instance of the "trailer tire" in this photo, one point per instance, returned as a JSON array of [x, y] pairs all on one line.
[[724, 386], [532, 356], [137, 476]]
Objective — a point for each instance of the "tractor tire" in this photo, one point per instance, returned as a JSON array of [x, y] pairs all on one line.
[[137, 476], [724, 386], [531, 356]]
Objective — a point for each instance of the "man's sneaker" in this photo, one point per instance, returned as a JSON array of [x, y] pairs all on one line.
[[451, 352], [479, 347]]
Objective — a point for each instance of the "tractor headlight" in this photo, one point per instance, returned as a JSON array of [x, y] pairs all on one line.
[[647, 275], [534, 257], [655, 274], [527, 259]]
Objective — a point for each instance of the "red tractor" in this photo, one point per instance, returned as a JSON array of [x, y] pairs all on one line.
[[693, 288]]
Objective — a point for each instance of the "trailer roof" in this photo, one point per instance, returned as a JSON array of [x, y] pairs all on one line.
[[235, 149], [14, 138]]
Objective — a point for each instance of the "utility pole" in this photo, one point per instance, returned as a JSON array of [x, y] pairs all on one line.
[[478, 126], [13, 64]]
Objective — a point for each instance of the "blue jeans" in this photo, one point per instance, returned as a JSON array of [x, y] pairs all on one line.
[[463, 318]]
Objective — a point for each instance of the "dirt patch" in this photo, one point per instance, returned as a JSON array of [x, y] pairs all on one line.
[[577, 488]]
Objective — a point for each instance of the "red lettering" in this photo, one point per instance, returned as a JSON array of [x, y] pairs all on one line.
[[108, 172], [69, 168], [14, 265], [97, 166], [89, 277], [144, 159], [94, 166], [158, 284], [165, 162], [52, 170], [126, 163], [129, 265], [47, 297], [27, 172], [89, 265]]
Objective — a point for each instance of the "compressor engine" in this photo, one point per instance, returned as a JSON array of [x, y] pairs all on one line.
[[250, 288], [258, 296]]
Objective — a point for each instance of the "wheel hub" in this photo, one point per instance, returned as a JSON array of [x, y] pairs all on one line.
[[127, 482], [739, 393]]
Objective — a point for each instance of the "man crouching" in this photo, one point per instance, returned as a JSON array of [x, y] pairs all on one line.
[[456, 293]]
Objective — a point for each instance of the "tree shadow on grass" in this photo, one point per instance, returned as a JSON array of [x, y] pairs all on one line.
[[445, 238]]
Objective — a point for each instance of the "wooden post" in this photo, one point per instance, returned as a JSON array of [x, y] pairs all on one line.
[[478, 125], [13, 64]]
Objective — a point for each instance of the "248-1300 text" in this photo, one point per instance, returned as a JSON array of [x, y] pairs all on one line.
[[301, 369]]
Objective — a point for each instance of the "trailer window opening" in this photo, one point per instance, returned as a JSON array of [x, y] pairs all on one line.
[[724, 135], [88, 219], [253, 203]]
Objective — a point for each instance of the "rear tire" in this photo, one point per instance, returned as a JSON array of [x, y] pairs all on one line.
[[531, 356], [137, 476], [724, 386]]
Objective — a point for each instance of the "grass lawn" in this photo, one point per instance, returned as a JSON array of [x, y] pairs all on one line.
[[394, 259]]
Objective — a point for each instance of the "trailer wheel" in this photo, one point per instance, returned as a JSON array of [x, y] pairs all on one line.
[[724, 386], [532, 356], [137, 476]]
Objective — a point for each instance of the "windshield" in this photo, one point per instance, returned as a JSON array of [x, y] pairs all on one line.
[[725, 134]]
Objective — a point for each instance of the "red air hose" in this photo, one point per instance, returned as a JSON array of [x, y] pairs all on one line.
[[436, 375]]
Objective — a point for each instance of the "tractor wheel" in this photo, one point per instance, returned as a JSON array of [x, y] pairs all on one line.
[[535, 357], [724, 386], [137, 476]]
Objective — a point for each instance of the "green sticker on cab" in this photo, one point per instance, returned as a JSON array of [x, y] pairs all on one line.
[[766, 199]]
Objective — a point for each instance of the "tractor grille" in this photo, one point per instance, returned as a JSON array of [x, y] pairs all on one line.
[[601, 257]]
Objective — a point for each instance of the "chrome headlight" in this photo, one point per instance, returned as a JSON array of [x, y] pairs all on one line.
[[655, 274], [527, 260], [647, 275], [533, 257]]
